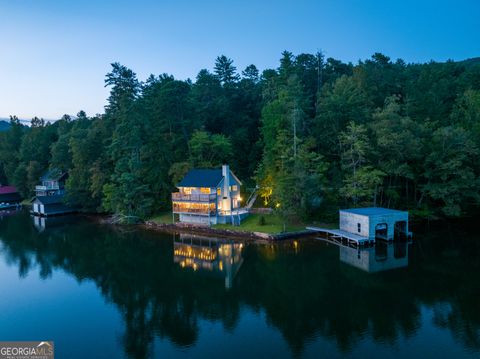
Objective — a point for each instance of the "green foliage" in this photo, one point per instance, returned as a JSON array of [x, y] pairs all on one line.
[[262, 221], [314, 134], [361, 179]]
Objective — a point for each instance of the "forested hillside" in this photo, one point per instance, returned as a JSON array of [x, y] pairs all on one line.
[[315, 134], [4, 125]]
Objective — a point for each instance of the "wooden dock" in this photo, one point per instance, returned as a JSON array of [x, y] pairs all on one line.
[[345, 237]]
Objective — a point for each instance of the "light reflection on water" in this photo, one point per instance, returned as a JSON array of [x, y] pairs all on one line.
[[137, 294]]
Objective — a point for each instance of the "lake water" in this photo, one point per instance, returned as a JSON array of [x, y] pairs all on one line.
[[103, 292]]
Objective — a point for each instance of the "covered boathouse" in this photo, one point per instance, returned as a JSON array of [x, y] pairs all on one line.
[[374, 222], [9, 196], [50, 206], [363, 226]]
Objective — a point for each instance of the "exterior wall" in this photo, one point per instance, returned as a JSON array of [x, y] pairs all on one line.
[[38, 208], [231, 201], [349, 223], [195, 190], [193, 219]]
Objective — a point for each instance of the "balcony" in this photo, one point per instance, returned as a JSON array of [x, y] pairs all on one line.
[[47, 188], [177, 196]]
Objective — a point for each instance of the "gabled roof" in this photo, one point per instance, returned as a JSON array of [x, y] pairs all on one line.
[[372, 211], [54, 175], [202, 178], [49, 199], [8, 189]]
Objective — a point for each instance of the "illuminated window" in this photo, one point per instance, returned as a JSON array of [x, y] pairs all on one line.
[[205, 190], [219, 191], [234, 188], [187, 190]]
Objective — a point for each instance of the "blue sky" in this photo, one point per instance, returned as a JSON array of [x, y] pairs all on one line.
[[54, 54]]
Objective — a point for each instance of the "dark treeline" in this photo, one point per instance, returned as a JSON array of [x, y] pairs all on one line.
[[315, 134]]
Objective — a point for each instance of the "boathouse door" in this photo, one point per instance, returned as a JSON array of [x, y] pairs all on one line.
[[381, 231], [400, 230]]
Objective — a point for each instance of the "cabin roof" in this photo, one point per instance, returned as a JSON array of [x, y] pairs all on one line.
[[53, 175], [56, 199], [204, 178], [8, 189], [373, 211]]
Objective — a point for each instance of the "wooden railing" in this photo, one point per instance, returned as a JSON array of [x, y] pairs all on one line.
[[46, 188], [177, 196]]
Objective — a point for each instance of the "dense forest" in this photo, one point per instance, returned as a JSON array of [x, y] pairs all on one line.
[[315, 134]]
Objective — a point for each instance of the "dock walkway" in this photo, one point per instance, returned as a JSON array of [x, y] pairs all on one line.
[[343, 236]]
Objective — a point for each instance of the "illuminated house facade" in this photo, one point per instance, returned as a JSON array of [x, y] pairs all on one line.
[[209, 196]]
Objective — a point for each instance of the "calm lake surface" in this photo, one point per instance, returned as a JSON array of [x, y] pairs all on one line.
[[103, 292]]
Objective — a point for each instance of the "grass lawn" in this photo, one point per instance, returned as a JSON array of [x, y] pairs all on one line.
[[273, 224]]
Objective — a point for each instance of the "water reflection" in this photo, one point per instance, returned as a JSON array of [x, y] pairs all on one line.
[[300, 290], [41, 223], [10, 212], [381, 257], [220, 257]]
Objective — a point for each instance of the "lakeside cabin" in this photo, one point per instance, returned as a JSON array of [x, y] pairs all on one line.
[[50, 195], [53, 183], [209, 196], [9, 197], [363, 226]]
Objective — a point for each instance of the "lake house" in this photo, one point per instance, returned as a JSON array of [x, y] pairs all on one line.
[[49, 199], [53, 183], [9, 196], [209, 196]]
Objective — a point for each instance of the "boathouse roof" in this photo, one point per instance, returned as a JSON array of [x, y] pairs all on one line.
[[373, 211], [56, 199], [204, 178]]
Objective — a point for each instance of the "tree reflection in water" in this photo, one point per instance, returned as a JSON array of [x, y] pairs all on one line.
[[166, 291]]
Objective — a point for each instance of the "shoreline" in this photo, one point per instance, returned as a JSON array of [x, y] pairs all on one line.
[[243, 235]]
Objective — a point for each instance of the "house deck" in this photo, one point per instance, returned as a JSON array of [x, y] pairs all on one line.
[[343, 236]]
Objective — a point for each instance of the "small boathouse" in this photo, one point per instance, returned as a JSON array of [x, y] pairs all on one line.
[[9, 197], [362, 226]]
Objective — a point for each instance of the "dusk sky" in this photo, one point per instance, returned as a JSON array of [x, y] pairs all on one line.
[[54, 54]]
